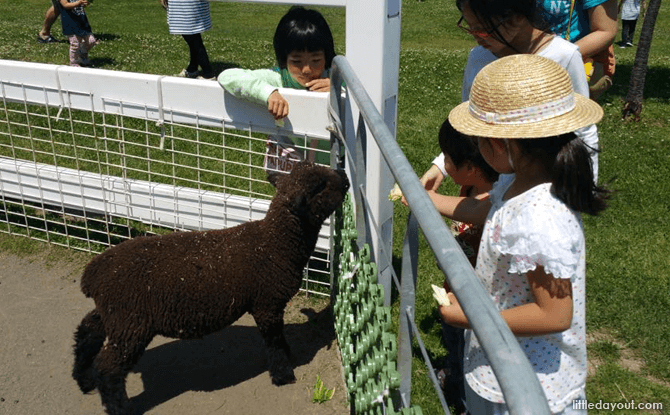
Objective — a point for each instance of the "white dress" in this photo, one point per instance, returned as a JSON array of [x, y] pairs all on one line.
[[188, 17], [533, 228]]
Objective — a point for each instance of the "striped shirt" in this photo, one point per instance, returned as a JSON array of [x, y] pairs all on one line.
[[188, 17]]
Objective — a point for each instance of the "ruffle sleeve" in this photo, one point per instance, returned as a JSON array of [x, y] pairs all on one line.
[[549, 234]]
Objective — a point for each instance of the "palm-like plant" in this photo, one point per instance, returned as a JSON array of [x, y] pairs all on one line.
[[635, 96]]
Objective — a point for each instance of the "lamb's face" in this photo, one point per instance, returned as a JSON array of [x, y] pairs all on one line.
[[310, 191]]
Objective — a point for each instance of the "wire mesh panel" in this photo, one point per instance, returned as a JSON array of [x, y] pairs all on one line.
[[89, 178]]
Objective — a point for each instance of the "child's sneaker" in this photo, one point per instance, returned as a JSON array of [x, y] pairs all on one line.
[[83, 61], [186, 74]]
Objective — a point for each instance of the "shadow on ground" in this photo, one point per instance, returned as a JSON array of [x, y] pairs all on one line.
[[223, 359]]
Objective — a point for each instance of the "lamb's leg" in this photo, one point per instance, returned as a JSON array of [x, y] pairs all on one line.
[[271, 326], [88, 340], [113, 363]]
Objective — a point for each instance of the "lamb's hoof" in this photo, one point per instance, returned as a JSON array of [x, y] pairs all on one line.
[[283, 378], [85, 381]]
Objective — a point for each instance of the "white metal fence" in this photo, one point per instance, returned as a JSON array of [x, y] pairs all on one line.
[[89, 158]]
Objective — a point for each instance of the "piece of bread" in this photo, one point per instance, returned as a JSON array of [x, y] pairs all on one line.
[[440, 294]]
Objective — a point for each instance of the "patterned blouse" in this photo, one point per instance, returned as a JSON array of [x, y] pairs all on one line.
[[533, 228]]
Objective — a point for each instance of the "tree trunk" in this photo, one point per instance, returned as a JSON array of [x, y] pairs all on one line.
[[633, 105]]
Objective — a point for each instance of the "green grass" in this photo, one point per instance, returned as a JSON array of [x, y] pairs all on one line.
[[628, 277]]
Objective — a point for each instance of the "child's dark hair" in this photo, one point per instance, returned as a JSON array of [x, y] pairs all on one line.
[[463, 149], [303, 29], [572, 171], [491, 13]]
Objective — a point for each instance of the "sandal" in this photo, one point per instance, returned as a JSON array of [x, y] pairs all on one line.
[[186, 74], [48, 39]]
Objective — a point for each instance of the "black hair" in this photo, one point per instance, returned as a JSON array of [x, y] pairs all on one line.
[[571, 171], [463, 149], [492, 12], [303, 29]]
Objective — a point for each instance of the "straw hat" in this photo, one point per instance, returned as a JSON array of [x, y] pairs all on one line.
[[523, 96]]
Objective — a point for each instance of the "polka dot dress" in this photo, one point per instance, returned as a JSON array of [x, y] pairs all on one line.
[[534, 228]]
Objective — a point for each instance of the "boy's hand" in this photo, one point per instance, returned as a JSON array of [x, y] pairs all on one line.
[[430, 180], [319, 85], [277, 105], [164, 4]]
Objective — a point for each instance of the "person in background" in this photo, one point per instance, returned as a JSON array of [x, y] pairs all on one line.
[[44, 35], [508, 27], [191, 18], [304, 49], [77, 29], [630, 11], [592, 26]]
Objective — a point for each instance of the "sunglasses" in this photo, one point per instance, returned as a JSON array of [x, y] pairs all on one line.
[[462, 24]]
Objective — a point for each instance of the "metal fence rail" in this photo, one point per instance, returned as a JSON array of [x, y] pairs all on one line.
[[523, 393]]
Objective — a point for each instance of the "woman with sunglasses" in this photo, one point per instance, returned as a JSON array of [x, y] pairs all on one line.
[[507, 27]]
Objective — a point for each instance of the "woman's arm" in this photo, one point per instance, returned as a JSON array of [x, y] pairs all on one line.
[[550, 313], [603, 26]]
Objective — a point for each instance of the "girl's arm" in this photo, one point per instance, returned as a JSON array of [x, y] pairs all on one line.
[[69, 6], [603, 25], [463, 209], [253, 85], [550, 313], [259, 86]]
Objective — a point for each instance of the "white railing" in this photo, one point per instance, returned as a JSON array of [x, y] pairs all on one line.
[[90, 157]]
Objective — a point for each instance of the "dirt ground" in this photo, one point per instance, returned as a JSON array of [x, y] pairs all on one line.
[[224, 373]]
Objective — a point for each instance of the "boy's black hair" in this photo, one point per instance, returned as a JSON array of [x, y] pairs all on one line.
[[463, 149], [303, 29], [571, 167], [491, 13]]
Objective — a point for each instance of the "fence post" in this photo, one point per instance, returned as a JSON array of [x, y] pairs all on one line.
[[376, 61], [410, 251]]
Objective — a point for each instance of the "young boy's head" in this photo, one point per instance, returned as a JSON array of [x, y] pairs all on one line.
[[461, 154], [303, 30]]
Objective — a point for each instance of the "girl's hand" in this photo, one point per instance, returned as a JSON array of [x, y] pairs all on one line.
[[164, 4], [277, 105], [319, 85], [453, 314]]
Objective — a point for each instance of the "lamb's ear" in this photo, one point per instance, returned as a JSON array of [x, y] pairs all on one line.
[[273, 178]]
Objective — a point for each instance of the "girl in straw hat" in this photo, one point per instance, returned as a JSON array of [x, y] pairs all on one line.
[[507, 27], [523, 112]]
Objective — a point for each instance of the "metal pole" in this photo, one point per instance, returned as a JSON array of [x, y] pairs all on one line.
[[522, 390]]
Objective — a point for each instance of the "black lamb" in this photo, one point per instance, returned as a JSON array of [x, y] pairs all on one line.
[[189, 284]]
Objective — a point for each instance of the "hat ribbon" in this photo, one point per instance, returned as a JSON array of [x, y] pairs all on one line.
[[525, 115]]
